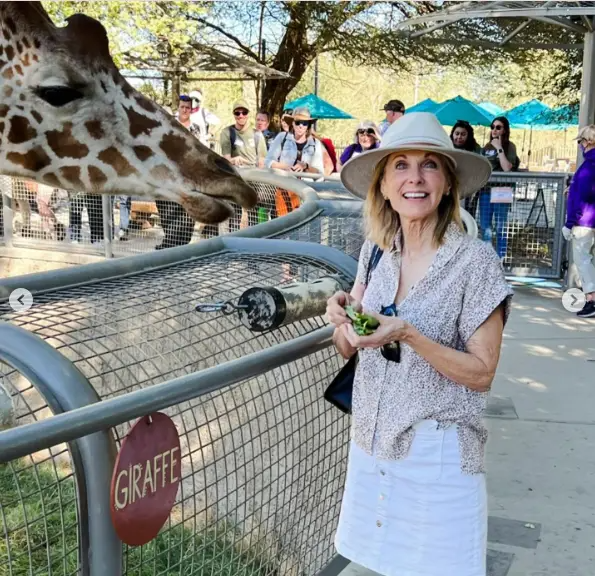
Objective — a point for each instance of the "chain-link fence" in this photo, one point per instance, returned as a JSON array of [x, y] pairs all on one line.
[[263, 460], [40, 216]]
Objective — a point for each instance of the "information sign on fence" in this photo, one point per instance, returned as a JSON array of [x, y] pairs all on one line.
[[145, 480]]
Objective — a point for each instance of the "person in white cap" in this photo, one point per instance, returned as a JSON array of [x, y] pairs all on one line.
[[202, 117], [415, 494]]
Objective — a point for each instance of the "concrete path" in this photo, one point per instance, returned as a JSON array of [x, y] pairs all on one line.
[[540, 455]]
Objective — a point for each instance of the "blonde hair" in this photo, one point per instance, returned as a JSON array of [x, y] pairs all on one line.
[[587, 133], [382, 222]]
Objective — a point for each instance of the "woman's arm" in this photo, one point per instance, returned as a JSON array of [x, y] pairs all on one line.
[[273, 155], [474, 368]]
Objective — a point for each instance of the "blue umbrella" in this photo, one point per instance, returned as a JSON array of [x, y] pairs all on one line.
[[427, 105], [319, 108], [524, 115], [492, 108], [559, 118], [460, 108]]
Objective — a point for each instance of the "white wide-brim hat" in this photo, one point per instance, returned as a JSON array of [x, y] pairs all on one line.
[[417, 131]]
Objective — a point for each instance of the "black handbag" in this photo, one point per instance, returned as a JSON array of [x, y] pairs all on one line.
[[340, 390]]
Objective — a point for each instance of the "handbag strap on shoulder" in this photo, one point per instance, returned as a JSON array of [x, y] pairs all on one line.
[[373, 262]]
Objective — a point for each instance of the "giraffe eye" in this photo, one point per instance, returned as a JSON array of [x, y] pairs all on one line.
[[58, 95]]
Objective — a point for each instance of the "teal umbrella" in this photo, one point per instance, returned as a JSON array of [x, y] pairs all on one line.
[[319, 108], [524, 115], [427, 105], [559, 118], [492, 108], [460, 108]]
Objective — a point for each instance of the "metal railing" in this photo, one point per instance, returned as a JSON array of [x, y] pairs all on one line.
[[527, 232], [37, 216], [263, 454]]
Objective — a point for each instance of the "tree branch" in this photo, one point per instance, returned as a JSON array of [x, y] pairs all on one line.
[[245, 49]]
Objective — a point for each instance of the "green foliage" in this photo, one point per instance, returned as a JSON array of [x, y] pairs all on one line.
[[40, 535], [138, 26]]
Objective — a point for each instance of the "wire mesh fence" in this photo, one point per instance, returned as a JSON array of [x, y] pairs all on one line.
[[51, 218], [522, 216], [263, 462]]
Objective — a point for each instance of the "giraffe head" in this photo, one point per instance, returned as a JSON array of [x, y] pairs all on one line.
[[69, 119]]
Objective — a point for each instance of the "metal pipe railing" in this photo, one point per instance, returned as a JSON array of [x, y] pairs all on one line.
[[99, 416], [65, 389]]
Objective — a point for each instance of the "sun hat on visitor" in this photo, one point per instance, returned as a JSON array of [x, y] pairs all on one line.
[[301, 113], [367, 125], [417, 131]]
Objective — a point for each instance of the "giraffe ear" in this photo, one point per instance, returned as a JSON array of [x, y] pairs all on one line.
[[33, 15], [96, 43]]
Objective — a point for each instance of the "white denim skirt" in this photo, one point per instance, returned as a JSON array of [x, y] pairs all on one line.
[[419, 516]]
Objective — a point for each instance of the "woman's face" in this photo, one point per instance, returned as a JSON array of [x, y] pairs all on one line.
[[284, 126], [497, 129], [459, 137], [300, 127], [414, 182], [366, 138]]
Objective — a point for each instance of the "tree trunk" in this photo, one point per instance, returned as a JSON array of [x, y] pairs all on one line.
[[294, 56]]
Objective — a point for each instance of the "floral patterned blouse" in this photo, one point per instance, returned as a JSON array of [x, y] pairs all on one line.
[[462, 287]]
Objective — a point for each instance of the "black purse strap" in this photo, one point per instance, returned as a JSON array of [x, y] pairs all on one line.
[[373, 262]]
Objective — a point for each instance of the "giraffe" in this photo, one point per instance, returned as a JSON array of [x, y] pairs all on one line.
[[69, 119]]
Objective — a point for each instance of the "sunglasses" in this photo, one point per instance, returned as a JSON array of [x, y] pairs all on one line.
[[301, 122], [499, 127], [392, 351], [369, 132], [240, 112]]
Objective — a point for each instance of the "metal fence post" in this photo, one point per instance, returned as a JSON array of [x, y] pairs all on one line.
[[108, 214], [7, 209], [64, 388]]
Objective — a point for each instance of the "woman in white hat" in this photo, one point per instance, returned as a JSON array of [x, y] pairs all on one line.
[[415, 493]]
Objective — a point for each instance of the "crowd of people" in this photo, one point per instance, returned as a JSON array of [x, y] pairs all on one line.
[[297, 147]]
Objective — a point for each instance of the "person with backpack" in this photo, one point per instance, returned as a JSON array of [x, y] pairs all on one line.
[[299, 149], [415, 497], [240, 143], [202, 118]]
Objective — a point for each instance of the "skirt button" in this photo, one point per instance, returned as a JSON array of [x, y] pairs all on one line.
[[378, 523]]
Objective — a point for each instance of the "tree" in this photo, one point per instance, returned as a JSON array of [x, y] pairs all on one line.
[[358, 32], [143, 34], [547, 50]]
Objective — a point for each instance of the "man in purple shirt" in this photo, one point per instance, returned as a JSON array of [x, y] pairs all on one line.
[[580, 219]]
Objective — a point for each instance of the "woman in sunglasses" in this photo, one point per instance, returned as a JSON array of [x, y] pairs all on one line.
[[501, 154], [298, 150], [367, 137]]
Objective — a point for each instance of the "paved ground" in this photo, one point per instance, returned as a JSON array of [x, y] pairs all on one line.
[[541, 462]]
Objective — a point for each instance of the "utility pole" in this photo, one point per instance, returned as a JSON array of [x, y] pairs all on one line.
[[416, 91]]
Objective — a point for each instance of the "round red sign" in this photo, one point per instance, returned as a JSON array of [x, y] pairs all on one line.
[[146, 479]]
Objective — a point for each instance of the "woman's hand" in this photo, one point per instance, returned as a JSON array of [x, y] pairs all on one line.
[[335, 308], [390, 330], [497, 143], [299, 167]]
